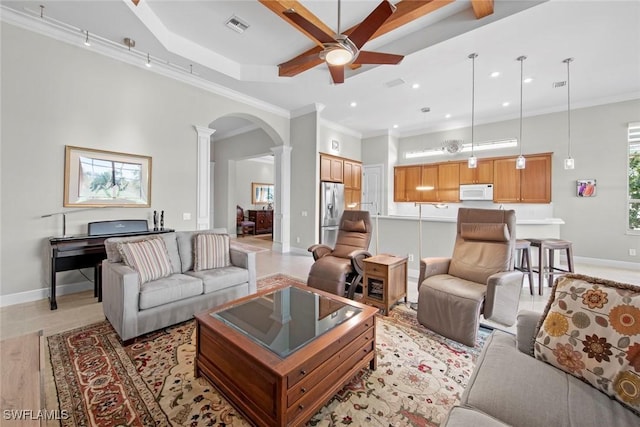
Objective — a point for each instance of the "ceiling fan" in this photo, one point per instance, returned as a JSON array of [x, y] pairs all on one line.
[[340, 50]]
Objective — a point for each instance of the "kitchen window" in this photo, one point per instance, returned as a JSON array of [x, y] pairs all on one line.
[[634, 178]]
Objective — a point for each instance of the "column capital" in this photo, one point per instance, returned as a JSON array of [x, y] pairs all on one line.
[[203, 130], [280, 149]]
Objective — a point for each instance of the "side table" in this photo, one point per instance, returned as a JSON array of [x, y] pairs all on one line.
[[385, 281]]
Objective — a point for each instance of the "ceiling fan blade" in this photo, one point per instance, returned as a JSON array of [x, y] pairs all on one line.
[[337, 73], [371, 23], [309, 27], [366, 57]]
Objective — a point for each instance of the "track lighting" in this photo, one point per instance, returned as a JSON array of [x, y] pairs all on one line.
[[86, 40], [148, 64]]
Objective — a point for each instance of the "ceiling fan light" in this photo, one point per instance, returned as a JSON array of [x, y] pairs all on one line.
[[338, 56]]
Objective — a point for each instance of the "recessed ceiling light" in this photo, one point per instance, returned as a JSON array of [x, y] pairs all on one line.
[[415, 86], [353, 104], [447, 116], [495, 74], [528, 80], [395, 126], [505, 104]]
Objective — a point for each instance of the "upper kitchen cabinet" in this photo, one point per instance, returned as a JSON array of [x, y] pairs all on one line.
[[529, 185], [331, 168], [449, 182], [405, 181], [483, 174]]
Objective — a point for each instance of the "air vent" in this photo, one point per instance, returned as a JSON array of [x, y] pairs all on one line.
[[393, 83], [237, 24], [559, 84]]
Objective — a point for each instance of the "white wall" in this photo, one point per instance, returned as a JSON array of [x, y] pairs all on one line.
[[53, 95]]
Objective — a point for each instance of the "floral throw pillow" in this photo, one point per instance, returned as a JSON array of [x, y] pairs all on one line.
[[591, 329]]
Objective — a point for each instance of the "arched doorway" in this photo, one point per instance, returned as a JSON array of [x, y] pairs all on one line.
[[236, 138]]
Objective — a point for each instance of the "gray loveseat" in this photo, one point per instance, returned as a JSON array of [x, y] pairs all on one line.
[[509, 387], [134, 309]]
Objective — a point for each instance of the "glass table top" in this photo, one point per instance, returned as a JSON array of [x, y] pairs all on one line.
[[286, 319]]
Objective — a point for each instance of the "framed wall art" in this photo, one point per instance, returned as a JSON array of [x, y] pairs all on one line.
[[98, 178], [586, 187]]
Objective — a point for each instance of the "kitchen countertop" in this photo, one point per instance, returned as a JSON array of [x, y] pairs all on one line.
[[540, 221]]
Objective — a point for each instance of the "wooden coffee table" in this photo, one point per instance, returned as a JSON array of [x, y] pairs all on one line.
[[279, 356]]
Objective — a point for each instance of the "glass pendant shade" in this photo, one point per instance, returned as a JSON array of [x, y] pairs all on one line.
[[521, 162], [569, 163], [472, 162]]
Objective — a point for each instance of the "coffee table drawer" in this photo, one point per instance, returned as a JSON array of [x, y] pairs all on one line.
[[304, 369], [362, 345], [341, 374]]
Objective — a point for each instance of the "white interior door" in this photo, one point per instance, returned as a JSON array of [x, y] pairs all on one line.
[[372, 189]]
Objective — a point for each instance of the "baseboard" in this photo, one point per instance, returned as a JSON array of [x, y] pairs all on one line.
[[604, 262], [43, 293]]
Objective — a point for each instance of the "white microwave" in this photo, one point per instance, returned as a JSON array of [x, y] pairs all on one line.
[[476, 192]]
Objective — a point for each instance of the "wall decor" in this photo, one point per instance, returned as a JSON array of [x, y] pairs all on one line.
[[98, 178], [586, 187], [261, 194]]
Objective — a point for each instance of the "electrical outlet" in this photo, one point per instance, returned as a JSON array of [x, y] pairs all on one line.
[[632, 252], [186, 216], [410, 257]]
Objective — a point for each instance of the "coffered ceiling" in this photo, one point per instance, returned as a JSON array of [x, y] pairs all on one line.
[[192, 36]]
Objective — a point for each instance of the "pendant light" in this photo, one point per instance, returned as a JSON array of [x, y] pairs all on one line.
[[472, 162], [569, 163], [521, 161]]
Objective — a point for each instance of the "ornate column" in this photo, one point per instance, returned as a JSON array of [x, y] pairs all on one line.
[[203, 172], [282, 196]]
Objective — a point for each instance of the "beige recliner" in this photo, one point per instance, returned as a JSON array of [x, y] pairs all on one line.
[[342, 265], [479, 278]]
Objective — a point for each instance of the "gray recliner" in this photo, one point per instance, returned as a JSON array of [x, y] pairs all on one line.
[[479, 278], [343, 265]]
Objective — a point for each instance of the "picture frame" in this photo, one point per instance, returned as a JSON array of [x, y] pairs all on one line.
[[586, 187], [99, 178], [261, 193]]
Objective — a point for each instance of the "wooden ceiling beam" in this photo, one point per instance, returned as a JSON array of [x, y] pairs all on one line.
[[482, 8], [279, 6], [407, 11]]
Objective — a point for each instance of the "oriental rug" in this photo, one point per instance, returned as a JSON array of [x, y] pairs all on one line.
[[420, 376]]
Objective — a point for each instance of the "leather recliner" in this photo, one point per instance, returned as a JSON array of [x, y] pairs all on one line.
[[343, 265], [479, 278]]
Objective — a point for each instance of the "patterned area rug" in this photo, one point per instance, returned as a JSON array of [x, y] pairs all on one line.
[[99, 382]]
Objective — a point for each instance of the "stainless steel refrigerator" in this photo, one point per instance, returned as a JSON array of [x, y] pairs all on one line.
[[331, 209]]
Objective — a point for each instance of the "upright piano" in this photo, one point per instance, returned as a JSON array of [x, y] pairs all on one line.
[[87, 250]]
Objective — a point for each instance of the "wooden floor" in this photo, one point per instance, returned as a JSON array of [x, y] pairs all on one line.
[[81, 309]]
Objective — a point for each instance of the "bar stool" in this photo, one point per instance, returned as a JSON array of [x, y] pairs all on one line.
[[546, 258], [524, 255]]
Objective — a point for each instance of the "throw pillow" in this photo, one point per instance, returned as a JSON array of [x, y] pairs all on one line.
[[591, 329], [211, 251], [148, 257]]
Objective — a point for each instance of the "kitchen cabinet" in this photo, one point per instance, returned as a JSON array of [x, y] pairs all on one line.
[[428, 180], [448, 184], [331, 168], [352, 184], [483, 174], [529, 185], [405, 181]]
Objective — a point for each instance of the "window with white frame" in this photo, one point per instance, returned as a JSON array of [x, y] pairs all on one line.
[[634, 177]]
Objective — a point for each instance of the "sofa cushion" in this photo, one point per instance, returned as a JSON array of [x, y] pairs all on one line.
[[169, 289], [113, 254], [463, 416], [221, 278], [148, 257], [185, 246], [591, 330], [522, 391], [210, 251]]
